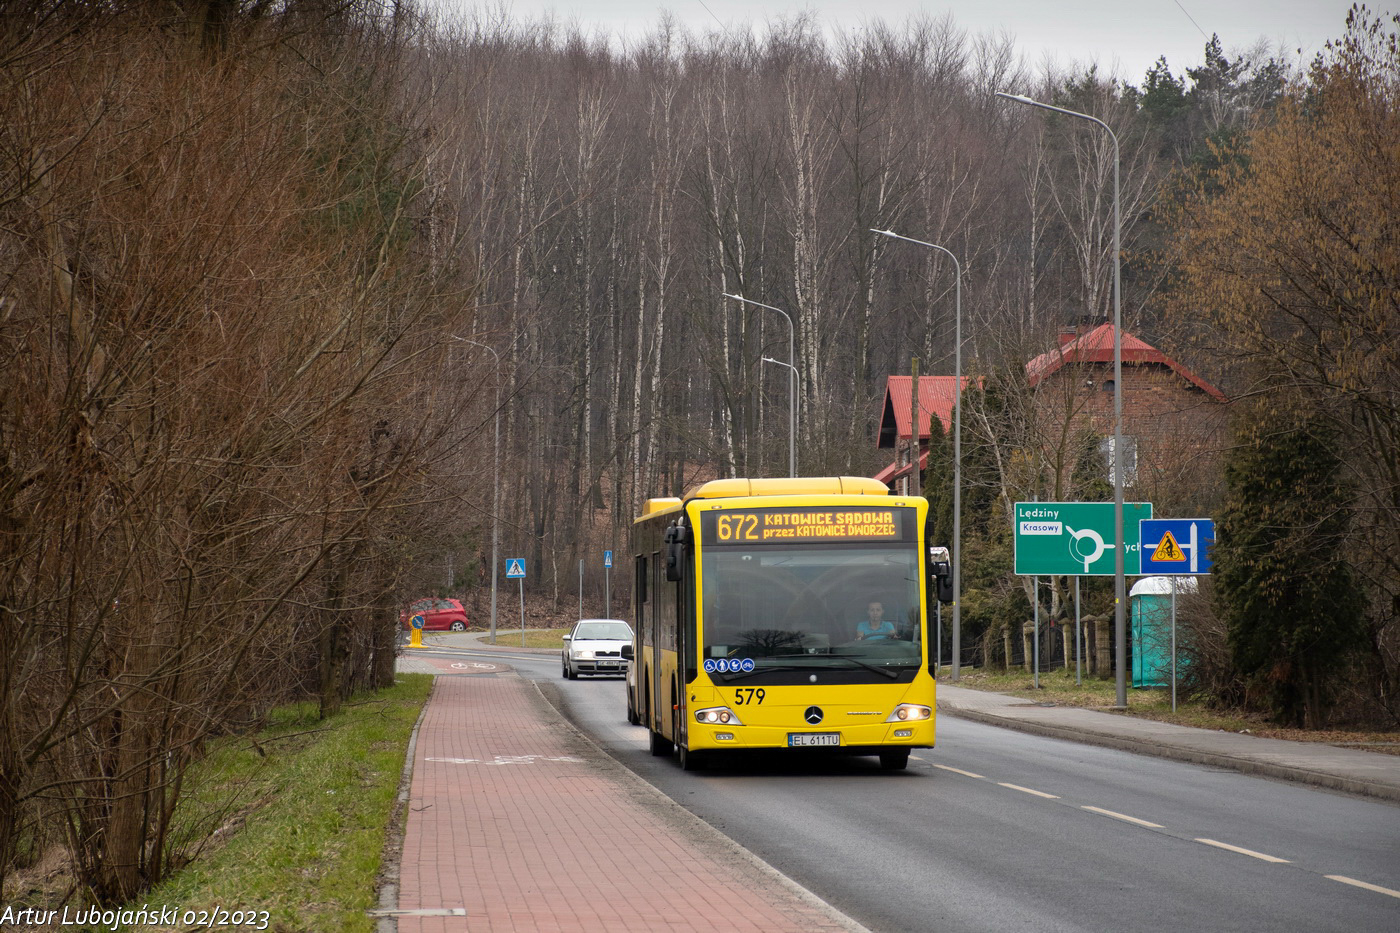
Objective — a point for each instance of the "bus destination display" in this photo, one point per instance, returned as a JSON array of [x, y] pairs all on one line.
[[802, 525]]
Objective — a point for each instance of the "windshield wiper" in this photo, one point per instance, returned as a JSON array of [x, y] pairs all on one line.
[[775, 667], [892, 675]]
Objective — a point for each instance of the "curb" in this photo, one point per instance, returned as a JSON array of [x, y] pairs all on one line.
[[1192, 756], [386, 914]]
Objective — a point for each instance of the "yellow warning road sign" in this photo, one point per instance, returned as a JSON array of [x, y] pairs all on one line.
[[1168, 549]]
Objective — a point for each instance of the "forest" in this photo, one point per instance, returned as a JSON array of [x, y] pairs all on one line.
[[300, 300]]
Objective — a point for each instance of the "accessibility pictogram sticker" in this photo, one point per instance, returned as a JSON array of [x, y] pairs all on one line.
[[1168, 549]]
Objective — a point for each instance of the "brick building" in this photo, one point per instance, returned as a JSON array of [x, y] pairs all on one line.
[[1174, 422]]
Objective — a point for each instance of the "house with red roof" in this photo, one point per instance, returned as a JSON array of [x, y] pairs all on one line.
[[936, 396], [1174, 421]]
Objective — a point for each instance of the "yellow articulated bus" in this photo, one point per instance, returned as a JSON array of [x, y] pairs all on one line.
[[784, 613]]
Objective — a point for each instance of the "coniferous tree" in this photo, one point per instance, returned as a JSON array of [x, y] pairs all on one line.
[[938, 484], [1282, 581]]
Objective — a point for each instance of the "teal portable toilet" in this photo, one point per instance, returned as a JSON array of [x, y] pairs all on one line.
[[1151, 602]]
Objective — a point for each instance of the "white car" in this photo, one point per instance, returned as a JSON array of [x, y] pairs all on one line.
[[595, 647]]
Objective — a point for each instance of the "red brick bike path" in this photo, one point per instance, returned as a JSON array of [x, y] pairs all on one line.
[[517, 818]]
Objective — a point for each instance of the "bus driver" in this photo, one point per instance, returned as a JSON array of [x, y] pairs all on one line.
[[875, 625]]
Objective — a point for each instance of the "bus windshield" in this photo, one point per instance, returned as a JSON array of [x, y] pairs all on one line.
[[817, 607]]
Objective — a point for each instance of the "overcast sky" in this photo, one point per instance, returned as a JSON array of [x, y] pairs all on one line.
[[1128, 34]]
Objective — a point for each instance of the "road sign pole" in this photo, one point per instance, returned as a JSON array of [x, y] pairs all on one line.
[[1173, 579], [522, 612], [1078, 679], [938, 642], [580, 587], [1035, 634]]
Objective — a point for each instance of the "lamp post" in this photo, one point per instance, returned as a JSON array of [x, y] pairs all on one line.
[[792, 383], [495, 483], [792, 413], [957, 445], [1120, 628]]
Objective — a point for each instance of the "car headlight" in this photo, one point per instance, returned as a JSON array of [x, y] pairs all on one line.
[[582, 654], [910, 712], [717, 715]]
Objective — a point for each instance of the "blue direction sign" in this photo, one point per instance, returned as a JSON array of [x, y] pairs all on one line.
[[515, 568], [607, 558], [1176, 546]]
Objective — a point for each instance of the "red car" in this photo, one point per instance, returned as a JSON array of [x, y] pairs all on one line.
[[439, 615]]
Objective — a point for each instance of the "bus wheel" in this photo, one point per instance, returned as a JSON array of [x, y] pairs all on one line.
[[632, 716], [894, 759], [660, 745], [691, 761]]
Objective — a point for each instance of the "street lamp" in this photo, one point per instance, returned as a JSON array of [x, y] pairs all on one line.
[[495, 484], [957, 446], [1120, 627], [792, 381], [792, 413]]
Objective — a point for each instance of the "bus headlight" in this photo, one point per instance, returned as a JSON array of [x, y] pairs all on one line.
[[910, 712], [717, 715]]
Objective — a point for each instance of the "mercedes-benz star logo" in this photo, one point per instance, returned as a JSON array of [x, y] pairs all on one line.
[[813, 715]]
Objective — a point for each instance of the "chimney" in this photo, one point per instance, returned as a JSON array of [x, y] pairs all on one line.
[[1078, 329]]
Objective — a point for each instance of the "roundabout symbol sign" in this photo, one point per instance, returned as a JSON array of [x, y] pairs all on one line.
[[1089, 553], [1075, 539]]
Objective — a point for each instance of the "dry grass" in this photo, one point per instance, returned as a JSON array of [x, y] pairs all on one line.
[[534, 638]]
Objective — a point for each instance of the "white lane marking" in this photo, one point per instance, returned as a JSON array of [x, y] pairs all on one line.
[[962, 772], [1027, 790], [1124, 817], [1250, 852], [1361, 884]]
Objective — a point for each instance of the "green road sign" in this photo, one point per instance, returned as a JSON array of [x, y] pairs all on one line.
[[1075, 538]]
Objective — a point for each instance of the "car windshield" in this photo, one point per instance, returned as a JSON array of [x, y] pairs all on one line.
[[603, 630], [821, 607]]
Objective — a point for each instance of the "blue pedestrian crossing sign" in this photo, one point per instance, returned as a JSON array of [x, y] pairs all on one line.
[[607, 558], [515, 568], [1176, 546]]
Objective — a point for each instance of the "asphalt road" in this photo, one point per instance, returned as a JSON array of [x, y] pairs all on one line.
[[999, 830]]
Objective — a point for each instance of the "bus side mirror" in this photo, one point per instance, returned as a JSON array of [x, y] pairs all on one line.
[[943, 582], [675, 553], [627, 653]]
